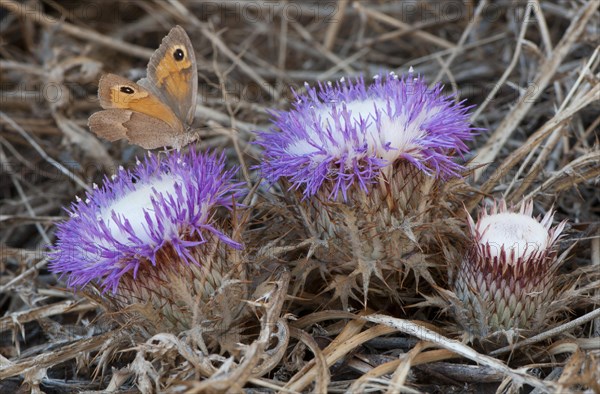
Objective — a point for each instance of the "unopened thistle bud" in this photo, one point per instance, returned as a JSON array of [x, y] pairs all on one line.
[[507, 280], [151, 237], [362, 162]]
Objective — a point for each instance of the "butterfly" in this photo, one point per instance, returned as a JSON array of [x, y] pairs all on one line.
[[158, 110]]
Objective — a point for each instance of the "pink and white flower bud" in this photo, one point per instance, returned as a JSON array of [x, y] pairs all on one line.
[[507, 279]]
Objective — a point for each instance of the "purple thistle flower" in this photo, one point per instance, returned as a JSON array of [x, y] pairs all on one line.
[[346, 133], [165, 202]]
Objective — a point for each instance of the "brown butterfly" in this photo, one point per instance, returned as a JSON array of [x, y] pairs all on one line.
[[158, 110]]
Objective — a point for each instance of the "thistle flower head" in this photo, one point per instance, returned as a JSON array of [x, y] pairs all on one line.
[[164, 203], [346, 133], [514, 238], [506, 280]]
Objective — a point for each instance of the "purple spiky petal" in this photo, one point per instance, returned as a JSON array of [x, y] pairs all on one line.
[[345, 133], [164, 202]]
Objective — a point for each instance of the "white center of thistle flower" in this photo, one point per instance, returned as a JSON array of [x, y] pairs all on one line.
[[133, 206], [401, 136], [514, 232], [388, 140]]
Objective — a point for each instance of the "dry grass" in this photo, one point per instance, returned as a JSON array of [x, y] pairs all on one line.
[[531, 68]]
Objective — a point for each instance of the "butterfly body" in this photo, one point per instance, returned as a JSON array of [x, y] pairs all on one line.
[[158, 110]]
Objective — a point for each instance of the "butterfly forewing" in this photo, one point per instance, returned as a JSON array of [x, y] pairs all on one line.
[[172, 74]]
